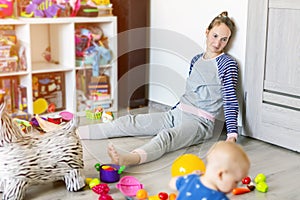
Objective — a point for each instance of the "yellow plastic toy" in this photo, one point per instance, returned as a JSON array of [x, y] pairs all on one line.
[[186, 164], [40, 106]]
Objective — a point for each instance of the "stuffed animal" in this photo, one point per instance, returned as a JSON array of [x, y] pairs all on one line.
[[28, 159]]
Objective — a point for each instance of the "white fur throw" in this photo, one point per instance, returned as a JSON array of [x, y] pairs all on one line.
[[33, 159]]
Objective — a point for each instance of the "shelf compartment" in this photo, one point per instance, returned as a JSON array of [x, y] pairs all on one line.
[[52, 43], [48, 92]]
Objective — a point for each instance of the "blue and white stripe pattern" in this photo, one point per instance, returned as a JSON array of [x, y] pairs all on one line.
[[228, 73]]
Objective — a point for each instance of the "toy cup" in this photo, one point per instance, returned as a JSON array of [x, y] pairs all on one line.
[[109, 173]]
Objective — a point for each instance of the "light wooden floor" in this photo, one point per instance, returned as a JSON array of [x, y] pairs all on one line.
[[281, 166]]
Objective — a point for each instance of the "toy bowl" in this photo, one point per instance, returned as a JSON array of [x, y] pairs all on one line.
[[129, 186], [109, 173]]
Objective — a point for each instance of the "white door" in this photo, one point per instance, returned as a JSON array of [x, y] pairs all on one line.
[[272, 89]]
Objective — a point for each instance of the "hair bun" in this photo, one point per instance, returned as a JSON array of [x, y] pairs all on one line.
[[223, 14]]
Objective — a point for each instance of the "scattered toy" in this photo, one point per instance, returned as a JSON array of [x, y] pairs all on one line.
[[238, 191]]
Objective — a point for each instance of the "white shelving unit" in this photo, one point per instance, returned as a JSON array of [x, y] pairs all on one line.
[[36, 34]]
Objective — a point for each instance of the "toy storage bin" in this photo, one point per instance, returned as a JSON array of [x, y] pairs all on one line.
[[93, 115]]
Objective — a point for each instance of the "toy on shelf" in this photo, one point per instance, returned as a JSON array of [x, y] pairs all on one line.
[[6, 8], [9, 50], [41, 8], [186, 164], [48, 90], [104, 6]]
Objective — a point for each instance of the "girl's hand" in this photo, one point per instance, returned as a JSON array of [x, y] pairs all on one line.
[[231, 139]]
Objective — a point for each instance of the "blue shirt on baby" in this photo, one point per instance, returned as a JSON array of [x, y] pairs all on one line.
[[190, 187]]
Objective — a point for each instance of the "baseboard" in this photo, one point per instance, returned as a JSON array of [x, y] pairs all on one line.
[[138, 103]]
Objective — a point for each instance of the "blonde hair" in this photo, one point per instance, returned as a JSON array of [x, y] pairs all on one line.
[[223, 18], [224, 152]]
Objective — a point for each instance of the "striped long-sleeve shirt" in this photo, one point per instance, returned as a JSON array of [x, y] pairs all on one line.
[[211, 85]]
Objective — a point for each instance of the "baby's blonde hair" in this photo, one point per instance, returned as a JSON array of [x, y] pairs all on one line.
[[227, 154]]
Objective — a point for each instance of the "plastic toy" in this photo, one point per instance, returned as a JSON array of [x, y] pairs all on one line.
[[88, 180], [23, 124], [56, 119], [94, 182], [42, 8], [251, 186], [66, 116], [105, 197], [246, 180], [155, 197], [97, 166], [262, 187], [261, 184], [129, 186], [163, 195], [122, 168], [6, 8], [238, 191], [102, 189], [260, 178], [107, 116], [186, 164], [109, 173], [172, 196], [141, 194], [40, 106]]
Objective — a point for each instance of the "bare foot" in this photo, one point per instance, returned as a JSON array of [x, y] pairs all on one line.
[[113, 154], [126, 158]]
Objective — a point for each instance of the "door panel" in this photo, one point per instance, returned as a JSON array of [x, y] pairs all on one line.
[[272, 72], [283, 47]]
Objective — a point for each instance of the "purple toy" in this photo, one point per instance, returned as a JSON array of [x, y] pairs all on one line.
[[109, 173]]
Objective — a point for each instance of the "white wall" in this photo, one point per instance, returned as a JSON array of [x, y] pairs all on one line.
[[183, 24]]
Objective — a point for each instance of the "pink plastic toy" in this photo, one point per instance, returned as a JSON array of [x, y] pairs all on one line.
[[129, 185]]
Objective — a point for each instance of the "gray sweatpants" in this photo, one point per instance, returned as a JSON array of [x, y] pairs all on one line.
[[172, 130]]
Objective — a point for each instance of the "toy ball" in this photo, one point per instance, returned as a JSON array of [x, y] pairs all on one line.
[[129, 186], [186, 164], [141, 194]]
